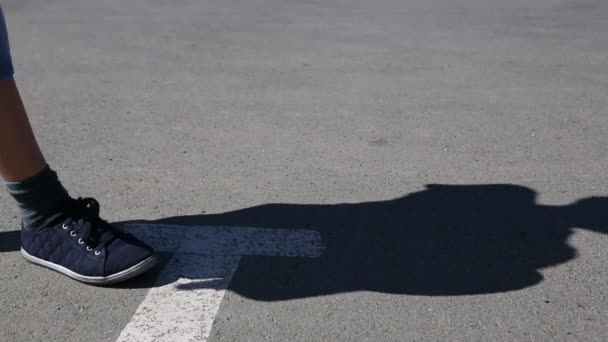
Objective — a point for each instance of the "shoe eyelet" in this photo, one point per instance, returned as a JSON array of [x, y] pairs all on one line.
[[80, 241], [97, 252], [72, 233], [64, 226], [89, 249]]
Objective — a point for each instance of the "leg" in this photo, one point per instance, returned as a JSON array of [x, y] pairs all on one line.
[[29, 180], [20, 157], [58, 232]]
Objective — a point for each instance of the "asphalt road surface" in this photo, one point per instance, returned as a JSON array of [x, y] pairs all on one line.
[[337, 170]]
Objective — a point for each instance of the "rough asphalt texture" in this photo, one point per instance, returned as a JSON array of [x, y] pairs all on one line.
[[214, 109]]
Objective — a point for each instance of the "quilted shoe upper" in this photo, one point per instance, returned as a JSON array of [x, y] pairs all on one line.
[[125, 252], [85, 245]]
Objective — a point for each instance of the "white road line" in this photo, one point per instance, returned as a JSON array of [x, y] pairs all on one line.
[[184, 308], [229, 240], [188, 292]]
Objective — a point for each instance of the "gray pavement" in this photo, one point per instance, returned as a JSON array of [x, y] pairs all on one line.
[[331, 116]]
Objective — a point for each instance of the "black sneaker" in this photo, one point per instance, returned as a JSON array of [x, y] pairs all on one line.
[[86, 248]]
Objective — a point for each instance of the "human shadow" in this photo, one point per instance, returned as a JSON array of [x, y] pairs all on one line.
[[10, 241], [444, 240], [441, 241]]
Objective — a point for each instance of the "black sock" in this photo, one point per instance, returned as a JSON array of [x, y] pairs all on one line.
[[41, 198]]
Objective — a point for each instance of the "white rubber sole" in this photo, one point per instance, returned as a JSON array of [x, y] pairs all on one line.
[[129, 273]]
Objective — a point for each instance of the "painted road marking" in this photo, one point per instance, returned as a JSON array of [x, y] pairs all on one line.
[[229, 240], [188, 292], [184, 308]]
